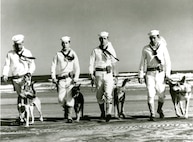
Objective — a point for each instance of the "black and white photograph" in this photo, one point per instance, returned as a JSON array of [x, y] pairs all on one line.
[[96, 71]]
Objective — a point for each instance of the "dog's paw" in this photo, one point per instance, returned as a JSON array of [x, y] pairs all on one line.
[[41, 119], [32, 122], [186, 116], [77, 120], [27, 125], [178, 116]]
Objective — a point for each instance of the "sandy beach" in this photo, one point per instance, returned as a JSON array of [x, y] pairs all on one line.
[[135, 127]]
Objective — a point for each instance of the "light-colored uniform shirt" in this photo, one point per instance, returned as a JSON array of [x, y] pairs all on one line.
[[18, 65], [148, 59], [99, 60], [61, 66]]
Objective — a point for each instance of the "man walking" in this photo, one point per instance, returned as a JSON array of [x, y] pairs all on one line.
[[67, 63], [21, 63], [102, 69], [155, 67]]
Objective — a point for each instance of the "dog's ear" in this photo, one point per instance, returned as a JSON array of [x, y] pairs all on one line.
[[79, 85], [183, 79]]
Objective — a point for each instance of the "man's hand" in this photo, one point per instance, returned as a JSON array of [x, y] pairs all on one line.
[[5, 78], [54, 80], [166, 79], [140, 80], [115, 80], [92, 77]]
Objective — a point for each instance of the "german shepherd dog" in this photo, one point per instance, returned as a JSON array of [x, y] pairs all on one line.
[[29, 101], [79, 102], [180, 91], [119, 98]]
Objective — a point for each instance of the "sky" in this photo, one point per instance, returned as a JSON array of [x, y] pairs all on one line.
[[44, 22]]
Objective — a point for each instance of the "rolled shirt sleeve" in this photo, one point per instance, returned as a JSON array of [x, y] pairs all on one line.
[[53, 67], [76, 67], [142, 66], [167, 63], [92, 61]]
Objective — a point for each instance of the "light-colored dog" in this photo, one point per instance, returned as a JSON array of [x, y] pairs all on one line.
[[180, 91], [119, 98], [29, 101]]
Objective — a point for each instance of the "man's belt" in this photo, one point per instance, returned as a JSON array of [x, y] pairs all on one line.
[[100, 69], [63, 77], [158, 68], [17, 76], [107, 69]]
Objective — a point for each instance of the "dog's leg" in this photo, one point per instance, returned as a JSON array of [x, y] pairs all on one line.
[[31, 108], [21, 112], [122, 109], [78, 112], [176, 107], [118, 109], [174, 100], [186, 107], [78, 116], [181, 107], [37, 103], [27, 115], [82, 110]]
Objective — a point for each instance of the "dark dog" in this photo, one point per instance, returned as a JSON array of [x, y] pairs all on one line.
[[29, 100], [79, 102], [180, 91], [119, 99]]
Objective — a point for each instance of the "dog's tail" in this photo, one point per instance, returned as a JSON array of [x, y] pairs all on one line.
[[124, 82]]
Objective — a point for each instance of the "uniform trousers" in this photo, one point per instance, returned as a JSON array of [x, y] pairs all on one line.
[[155, 84], [64, 92], [65, 96], [104, 85]]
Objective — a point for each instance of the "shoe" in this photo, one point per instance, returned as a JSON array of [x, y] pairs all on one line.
[[102, 116], [161, 115], [69, 121], [108, 117], [151, 118]]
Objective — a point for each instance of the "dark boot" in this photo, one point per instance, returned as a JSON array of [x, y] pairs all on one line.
[[151, 109], [65, 111], [159, 109], [102, 109]]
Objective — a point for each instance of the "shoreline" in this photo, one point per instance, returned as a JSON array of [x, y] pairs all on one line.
[[47, 85]]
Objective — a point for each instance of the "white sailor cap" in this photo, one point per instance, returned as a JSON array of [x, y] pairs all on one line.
[[153, 33], [18, 38], [103, 34], [65, 38]]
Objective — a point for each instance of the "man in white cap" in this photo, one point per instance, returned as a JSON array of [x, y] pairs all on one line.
[[21, 63], [155, 67], [101, 69], [68, 73]]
